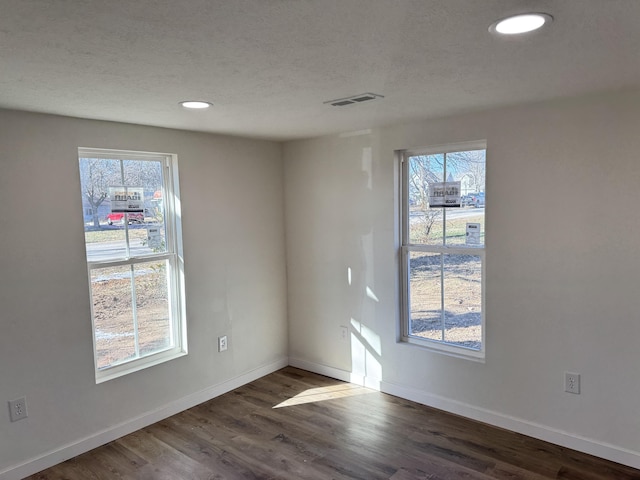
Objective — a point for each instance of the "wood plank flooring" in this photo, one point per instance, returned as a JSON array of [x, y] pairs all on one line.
[[293, 424]]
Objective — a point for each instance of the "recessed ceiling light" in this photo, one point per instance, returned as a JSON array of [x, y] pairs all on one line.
[[195, 105], [523, 23]]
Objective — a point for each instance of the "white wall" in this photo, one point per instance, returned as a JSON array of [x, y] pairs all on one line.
[[562, 274], [563, 269], [233, 232]]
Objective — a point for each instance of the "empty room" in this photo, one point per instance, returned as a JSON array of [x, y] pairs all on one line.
[[319, 239]]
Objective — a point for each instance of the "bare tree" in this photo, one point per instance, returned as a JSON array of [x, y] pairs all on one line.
[[424, 170], [96, 175], [144, 174], [470, 164], [428, 218]]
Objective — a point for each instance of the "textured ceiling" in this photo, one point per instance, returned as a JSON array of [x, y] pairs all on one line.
[[268, 65]]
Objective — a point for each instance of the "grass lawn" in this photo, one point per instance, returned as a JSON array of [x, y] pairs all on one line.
[[461, 286], [456, 230], [115, 234]]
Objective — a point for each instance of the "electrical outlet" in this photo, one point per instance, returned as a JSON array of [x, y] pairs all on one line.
[[571, 382], [18, 409], [344, 333], [222, 343]]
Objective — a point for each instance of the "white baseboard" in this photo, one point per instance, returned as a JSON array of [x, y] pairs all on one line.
[[542, 432], [105, 436], [326, 371], [336, 373], [531, 429]]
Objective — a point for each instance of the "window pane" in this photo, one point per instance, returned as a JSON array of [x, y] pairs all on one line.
[[105, 243], [425, 223], [468, 168], [463, 300], [458, 221], [96, 176], [152, 307], [113, 314], [106, 232], [425, 309], [155, 240], [148, 176]]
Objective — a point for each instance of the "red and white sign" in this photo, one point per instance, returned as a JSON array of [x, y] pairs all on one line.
[[127, 199]]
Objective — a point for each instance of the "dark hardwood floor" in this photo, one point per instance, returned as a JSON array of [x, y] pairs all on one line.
[[294, 424]]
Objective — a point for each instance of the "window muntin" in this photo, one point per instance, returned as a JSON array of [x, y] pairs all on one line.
[[442, 267], [133, 261]]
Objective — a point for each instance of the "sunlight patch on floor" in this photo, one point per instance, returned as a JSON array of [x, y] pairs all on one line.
[[326, 393]]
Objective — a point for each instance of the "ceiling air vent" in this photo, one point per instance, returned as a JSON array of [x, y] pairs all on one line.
[[362, 97], [341, 103]]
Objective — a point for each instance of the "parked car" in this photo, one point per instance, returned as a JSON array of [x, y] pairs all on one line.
[[473, 199], [118, 217]]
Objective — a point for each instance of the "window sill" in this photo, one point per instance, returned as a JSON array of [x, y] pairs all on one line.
[[445, 349], [137, 365]]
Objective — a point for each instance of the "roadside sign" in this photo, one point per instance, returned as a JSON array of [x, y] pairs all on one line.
[[126, 199], [154, 237], [444, 194], [473, 234]]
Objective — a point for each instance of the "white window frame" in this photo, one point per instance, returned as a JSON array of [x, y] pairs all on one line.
[[173, 255], [406, 247]]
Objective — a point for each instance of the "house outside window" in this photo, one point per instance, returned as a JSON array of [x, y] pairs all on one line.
[[442, 248], [134, 259]]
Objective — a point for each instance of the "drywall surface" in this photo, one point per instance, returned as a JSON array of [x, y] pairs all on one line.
[[562, 267], [233, 234]]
